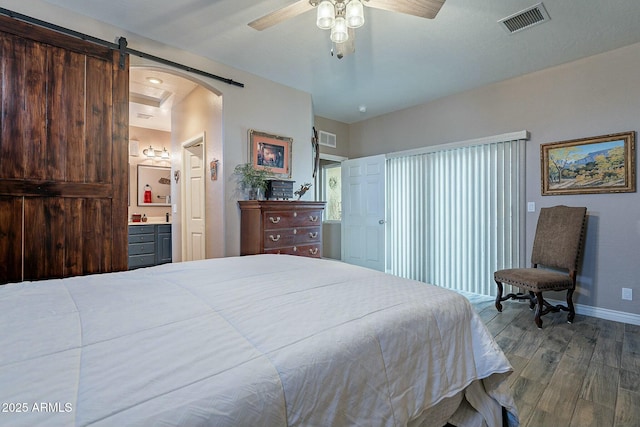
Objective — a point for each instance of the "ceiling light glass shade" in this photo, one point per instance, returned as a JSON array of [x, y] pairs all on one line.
[[339, 32], [355, 14], [326, 15]]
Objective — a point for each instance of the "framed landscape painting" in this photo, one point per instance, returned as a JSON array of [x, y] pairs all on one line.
[[602, 164]]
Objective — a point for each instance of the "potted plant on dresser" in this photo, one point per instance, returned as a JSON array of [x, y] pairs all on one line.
[[252, 180]]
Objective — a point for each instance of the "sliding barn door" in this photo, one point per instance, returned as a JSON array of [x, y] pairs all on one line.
[[63, 155]]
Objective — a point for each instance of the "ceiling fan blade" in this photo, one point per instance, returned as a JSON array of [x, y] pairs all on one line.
[[422, 8], [282, 14]]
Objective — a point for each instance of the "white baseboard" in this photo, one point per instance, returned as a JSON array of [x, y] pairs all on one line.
[[585, 310], [603, 313]]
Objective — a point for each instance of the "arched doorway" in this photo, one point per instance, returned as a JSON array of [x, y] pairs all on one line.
[[167, 108]]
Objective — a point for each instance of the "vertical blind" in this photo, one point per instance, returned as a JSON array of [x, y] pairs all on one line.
[[455, 212]]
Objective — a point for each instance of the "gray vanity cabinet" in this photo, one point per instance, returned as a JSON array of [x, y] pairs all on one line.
[[163, 242], [149, 244]]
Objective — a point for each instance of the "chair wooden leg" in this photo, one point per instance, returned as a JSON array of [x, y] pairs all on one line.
[[499, 297], [532, 300], [572, 311], [539, 306]]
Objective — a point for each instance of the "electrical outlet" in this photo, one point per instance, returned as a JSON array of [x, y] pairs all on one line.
[[531, 206], [627, 294]]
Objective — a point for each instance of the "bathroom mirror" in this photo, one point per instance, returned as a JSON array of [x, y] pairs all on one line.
[[154, 186]]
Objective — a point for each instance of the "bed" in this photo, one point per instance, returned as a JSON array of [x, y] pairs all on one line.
[[264, 340]]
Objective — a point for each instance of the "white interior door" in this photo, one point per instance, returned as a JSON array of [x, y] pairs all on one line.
[[363, 212], [193, 243]]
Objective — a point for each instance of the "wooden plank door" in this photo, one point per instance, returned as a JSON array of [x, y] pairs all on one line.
[[63, 155]]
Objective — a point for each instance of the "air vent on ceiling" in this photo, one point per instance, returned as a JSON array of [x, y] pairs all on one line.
[[327, 139], [524, 19]]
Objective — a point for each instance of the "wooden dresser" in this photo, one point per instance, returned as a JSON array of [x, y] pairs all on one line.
[[281, 227]]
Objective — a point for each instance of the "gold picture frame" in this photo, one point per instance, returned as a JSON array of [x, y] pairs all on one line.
[[272, 152], [601, 164]]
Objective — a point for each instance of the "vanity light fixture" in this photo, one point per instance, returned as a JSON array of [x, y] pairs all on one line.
[[149, 152], [153, 153]]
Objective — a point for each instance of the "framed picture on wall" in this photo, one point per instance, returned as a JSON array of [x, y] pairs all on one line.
[[271, 152], [601, 164]]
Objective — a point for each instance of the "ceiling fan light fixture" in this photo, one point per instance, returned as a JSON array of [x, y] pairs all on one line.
[[339, 32], [355, 14], [326, 15]]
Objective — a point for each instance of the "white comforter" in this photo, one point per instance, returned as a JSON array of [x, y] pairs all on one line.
[[267, 340]]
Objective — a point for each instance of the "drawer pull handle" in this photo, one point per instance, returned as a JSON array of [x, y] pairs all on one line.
[[313, 251], [313, 235], [313, 218], [274, 239], [276, 220]]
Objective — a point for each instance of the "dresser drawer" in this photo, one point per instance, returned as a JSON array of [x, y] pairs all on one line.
[[295, 218], [279, 238], [164, 228], [141, 260], [141, 238], [141, 229], [142, 248], [313, 251], [307, 235], [309, 218], [274, 220]]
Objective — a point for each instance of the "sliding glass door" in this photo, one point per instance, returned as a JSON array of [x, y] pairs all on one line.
[[456, 212]]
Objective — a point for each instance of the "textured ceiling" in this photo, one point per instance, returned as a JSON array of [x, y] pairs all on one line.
[[400, 60]]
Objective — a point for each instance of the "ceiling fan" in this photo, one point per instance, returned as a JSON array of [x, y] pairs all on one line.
[[332, 14]]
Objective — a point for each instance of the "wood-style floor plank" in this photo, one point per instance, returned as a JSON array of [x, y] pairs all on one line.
[[627, 409], [590, 414], [578, 375]]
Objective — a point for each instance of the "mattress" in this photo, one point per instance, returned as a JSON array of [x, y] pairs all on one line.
[[265, 340]]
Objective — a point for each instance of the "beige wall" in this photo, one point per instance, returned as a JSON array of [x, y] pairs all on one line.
[[341, 130], [594, 96], [200, 112]]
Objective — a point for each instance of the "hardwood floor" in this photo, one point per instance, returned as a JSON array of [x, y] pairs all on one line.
[[575, 375]]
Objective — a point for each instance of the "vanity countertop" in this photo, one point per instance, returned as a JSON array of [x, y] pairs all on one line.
[[151, 222]]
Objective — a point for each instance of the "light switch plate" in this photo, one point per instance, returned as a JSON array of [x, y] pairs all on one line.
[[531, 206], [627, 294]]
